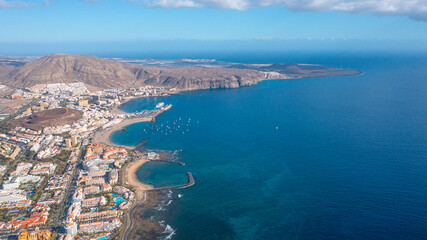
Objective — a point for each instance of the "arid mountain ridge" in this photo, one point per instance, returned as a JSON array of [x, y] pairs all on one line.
[[104, 74]]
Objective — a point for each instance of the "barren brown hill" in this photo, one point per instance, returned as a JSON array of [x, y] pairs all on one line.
[[5, 69], [102, 73], [197, 77], [64, 68], [57, 116]]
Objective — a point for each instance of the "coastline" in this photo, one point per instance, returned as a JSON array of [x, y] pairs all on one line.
[[103, 136], [133, 220], [129, 175], [145, 197], [116, 109], [129, 178]]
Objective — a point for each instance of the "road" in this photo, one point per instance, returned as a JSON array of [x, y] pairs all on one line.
[[60, 214]]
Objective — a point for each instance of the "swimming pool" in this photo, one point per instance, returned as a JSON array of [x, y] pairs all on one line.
[[102, 238]]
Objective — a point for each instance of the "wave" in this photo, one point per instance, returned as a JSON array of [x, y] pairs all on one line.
[[168, 229], [169, 195], [170, 235], [160, 208]]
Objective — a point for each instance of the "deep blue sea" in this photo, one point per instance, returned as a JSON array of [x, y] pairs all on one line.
[[325, 158]]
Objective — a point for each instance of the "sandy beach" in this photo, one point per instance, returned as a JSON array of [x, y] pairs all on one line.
[[129, 178], [103, 136]]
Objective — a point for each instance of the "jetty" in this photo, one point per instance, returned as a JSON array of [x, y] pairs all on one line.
[[137, 146], [160, 111]]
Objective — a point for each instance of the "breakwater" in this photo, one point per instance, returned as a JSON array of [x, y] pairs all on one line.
[[169, 161], [190, 183]]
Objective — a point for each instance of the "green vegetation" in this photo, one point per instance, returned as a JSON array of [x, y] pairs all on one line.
[[27, 155], [63, 103], [104, 208], [39, 191], [86, 210], [63, 156], [10, 166], [60, 168], [4, 217]]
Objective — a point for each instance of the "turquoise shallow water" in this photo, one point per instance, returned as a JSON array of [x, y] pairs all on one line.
[[160, 174], [327, 158]]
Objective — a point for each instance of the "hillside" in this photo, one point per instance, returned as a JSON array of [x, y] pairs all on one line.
[[63, 68], [5, 69], [101, 73]]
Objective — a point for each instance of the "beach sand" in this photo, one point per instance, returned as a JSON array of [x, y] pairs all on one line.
[[133, 219], [103, 136], [129, 178]]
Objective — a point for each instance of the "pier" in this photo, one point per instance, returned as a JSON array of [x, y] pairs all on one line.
[[153, 118], [140, 144], [190, 183]]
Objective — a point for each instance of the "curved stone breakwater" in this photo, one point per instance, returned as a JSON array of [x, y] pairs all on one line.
[[190, 183]]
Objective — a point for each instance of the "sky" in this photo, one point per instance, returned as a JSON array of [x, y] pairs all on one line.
[[69, 25]]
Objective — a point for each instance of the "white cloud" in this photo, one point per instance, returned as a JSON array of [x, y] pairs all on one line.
[[13, 4], [416, 9], [172, 3]]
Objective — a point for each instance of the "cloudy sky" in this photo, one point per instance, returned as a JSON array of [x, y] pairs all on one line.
[[54, 21]]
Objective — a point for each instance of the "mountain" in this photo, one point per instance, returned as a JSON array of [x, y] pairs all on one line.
[[98, 73], [103, 73], [5, 70], [64, 68]]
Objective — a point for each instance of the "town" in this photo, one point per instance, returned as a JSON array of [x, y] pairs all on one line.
[[56, 181]]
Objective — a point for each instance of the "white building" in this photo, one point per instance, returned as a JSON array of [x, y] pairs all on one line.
[[11, 196], [71, 228], [11, 185], [21, 167]]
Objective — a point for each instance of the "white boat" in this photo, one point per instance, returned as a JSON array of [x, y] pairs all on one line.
[[160, 105]]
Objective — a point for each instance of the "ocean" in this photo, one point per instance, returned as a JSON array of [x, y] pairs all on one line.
[[322, 158]]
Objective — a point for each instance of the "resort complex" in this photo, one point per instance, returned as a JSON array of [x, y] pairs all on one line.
[[61, 177]]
